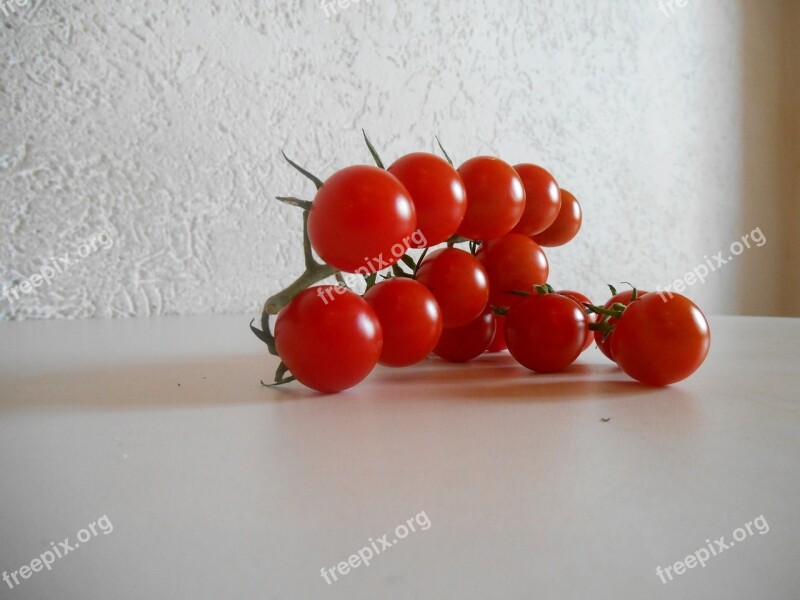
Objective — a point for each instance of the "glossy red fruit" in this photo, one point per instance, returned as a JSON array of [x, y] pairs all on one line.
[[545, 332], [512, 262], [329, 338], [582, 300], [410, 318], [438, 195], [498, 343], [567, 223], [362, 220], [460, 344], [458, 282], [495, 198], [661, 339], [542, 199]]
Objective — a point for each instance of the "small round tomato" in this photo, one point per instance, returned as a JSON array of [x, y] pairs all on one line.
[[458, 282], [582, 300], [499, 340], [660, 340], [438, 195], [567, 223], [329, 338], [460, 344], [542, 199], [362, 220], [545, 332], [495, 198], [512, 262], [410, 319], [602, 340]]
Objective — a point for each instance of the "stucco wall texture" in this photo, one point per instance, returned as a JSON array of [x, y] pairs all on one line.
[[157, 126]]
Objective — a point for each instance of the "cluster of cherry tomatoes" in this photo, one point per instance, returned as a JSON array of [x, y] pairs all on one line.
[[458, 302]]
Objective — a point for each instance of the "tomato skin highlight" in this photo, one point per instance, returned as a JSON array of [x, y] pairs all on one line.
[[581, 300], [604, 342], [462, 344], [329, 338], [495, 198], [498, 343], [542, 199], [410, 318], [545, 332], [359, 215], [459, 283], [661, 340], [567, 223], [438, 193], [512, 262]]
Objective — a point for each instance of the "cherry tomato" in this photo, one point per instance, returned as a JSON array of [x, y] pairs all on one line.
[[542, 199], [438, 194], [458, 282], [410, 319], [362, 220], [460, 344], [660, 340], [499, 340], [512, 262], [566, 225], [602, 340], [329, 338], [581, 300], [495, 198], [545, 332]]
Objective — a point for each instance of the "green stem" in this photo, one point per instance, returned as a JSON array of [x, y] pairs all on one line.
[[313, 273], [419, 260], [275, 303], [373, 152], [447, 157], [599, 310], [292, 201], [456, 239]]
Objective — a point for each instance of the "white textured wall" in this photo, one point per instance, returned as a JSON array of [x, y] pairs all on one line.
[[161, 123]]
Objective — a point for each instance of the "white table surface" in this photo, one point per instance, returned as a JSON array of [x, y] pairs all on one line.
[[219, 488]]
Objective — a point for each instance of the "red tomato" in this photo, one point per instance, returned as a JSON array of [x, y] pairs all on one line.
[[410, 319], [329, 338], [438, 194], [604, 342], [545, 332], [499, 340], [460, 344], [581, 300], [458, 282], [542, 199], [362, 220], [660, 340], [566, 225], [512, 262], [495, 198]]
